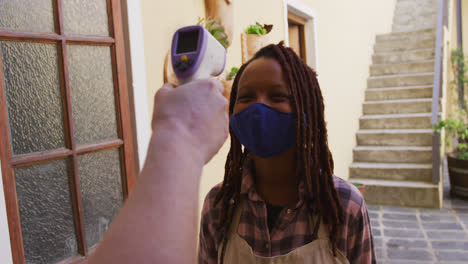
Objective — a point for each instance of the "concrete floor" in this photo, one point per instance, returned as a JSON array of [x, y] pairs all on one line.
[[412, 235]]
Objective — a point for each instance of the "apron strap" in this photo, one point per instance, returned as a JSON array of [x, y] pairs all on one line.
[[232, 229], [317, 228], [236, 217]]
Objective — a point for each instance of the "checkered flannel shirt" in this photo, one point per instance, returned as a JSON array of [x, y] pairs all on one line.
[[291, 229]]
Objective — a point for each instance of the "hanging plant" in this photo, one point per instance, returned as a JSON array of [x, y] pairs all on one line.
[[258, 29], [227, 82], [223, 12], [232, 73], [254, 38], [216, 29]]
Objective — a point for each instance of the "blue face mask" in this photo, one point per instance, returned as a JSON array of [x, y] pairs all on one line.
[[264, 131]]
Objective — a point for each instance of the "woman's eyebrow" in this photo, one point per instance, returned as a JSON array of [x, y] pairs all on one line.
[[280, 88], [277, 88]]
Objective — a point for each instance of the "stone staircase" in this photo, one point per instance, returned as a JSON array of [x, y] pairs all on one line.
[[393, 157]]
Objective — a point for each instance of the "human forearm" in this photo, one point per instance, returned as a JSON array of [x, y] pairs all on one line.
[[157, 220], [157, 223]]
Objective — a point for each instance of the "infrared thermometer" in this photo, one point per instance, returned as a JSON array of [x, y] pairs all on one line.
[[196, 54]]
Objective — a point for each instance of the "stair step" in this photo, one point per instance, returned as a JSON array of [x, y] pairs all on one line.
[[402, 68], [408, 35], [391, 171], [386, 46], [393, 154], [400, 121], [415, 19], [422, 25], [414, 79], [416, 6], [403, 56], [400, 193], [402, 106], [395, 93], [422, 12], [394, 137]]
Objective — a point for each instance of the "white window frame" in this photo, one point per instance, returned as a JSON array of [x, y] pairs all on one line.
[[5, 245], [298, 8], [138, 71]]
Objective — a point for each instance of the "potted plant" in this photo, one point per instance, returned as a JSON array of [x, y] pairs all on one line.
[[456, 127], [223, 12], [361, 187], [216, 29], [254, 38], [228, 82]]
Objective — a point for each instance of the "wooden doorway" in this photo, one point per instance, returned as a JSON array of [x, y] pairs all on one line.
[[296, 30]]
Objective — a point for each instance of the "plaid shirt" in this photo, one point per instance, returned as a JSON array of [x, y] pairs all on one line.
[[291, 229]]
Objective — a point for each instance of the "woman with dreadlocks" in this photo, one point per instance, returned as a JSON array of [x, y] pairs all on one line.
[[279, 201]]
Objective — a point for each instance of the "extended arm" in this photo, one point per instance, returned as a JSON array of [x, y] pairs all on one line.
[[157, 224]]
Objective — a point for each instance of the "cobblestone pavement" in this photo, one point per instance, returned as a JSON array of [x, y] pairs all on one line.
[[412, 236]]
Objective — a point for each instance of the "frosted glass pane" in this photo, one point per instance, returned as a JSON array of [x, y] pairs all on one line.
[[34, 100], [92, 93], [86, 17], [27, 15], [46, 213], [101, 191]]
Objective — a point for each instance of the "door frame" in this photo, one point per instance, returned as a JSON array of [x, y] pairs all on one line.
[[301, 10]]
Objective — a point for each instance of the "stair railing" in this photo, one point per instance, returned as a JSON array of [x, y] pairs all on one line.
[[442, 21]]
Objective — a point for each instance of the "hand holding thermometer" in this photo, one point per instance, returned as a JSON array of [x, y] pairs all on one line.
[[196, 54]]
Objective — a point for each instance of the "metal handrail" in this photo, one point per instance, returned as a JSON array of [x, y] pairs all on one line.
[[437, 89]]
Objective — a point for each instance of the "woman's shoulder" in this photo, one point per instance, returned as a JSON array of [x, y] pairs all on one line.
[[211, 210], [350, 197]]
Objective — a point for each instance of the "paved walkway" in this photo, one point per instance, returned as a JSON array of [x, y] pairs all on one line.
[[413, 236]]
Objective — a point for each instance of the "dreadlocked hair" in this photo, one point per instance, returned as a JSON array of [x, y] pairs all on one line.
[[314, 160]]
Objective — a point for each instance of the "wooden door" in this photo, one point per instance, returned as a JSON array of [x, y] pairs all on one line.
[[65, 132], [296, 31]]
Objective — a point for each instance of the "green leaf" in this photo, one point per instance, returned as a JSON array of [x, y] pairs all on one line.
[[462, 147], [463, 155], [232, 73], [256, 29]]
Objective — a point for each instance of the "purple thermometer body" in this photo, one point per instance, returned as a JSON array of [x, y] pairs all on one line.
[[196, 54]]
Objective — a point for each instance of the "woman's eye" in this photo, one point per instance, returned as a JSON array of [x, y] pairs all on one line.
[[244, 98]]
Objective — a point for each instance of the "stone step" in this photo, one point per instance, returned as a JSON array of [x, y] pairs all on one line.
[[391, 171], [403, 56], [402, 68], [402, 106], [410, 20], [393, 154], [394, 137], [400, 121], [386, 46], [414, 79], [408, 35], [418, 25], [395, 93], [416, 5], [400, 193], [419, 12]]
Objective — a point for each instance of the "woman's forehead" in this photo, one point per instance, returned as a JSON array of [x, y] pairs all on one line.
[[262, 71]]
